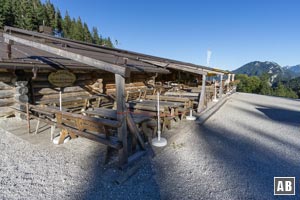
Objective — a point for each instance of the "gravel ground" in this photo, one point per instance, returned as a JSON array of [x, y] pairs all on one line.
[[74, 170], [234, 155]]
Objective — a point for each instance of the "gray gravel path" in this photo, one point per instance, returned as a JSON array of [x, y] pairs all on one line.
[[236, 153], [71, 171]]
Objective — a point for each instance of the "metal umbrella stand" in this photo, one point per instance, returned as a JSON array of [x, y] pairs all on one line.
[[159, 141]]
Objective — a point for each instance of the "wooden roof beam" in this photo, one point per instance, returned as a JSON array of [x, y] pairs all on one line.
[[116, 69]]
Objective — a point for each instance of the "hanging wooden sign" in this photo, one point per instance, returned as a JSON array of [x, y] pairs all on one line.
[[62, 78]]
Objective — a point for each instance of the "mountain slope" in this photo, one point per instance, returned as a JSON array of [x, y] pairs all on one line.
[[258, 68], [295, 68], [277, 72]]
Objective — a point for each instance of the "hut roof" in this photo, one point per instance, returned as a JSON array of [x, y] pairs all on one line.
[[40, 50]]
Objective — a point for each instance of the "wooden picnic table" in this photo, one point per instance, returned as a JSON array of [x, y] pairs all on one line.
[[182, 94], [112, 114], [168, 110], [186, 101], [139, 120]]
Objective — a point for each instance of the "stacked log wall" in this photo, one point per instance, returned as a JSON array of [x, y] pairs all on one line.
[[7, 93], [86, 84]]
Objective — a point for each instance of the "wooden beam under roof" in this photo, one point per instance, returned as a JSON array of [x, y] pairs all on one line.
[[118, 52], [195, 70], [116, 69]]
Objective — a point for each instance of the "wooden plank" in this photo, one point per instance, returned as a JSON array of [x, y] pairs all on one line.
[[168, 98], [116, 69], [6, 93], [182, 94], [45, 91], [4, 86], [6, 111], [64, 95], [121, 116], [141, 106], [133, 129], [44, 77], [7, 102], [111, 142], [106, 122], [103, 112]]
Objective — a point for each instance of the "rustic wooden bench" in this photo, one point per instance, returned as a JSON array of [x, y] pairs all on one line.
[[135, 121], [97, 129], [186, 101], [73, 104], [168, 110]]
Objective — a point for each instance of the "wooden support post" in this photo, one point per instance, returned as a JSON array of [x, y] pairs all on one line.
[[134, 130], [121, 116], [202, 95], [233, 77], [221, 86], [28, 117], [228, 82], [8, 49]]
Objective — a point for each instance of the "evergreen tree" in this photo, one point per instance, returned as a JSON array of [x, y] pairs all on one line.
[[109, 43], [87, 34], [58, 21], [30, 14], [280, 90], [78, 33], [50, 14], [265, 86], [40, 13], [95, 36], [26, 15], [6, 13], [67, 25]]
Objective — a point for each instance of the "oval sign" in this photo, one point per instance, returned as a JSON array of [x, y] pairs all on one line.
[[62, 78]]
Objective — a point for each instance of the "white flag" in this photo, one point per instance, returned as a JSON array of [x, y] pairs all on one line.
[[208, 57]]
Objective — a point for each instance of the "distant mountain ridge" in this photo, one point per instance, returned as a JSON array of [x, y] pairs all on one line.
[[295, 68], [257, 68]]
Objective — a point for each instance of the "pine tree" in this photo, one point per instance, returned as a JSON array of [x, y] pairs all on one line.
[[6, 13], [25, 15], [95, 36], [50, 14], [40, 13], [58, 21], [87, 33], [2, 15], [78, 30], [109, 43], [67, 25], [30, 14]]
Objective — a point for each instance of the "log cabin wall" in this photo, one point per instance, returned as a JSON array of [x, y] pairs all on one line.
[[7, 93], [42, 90]]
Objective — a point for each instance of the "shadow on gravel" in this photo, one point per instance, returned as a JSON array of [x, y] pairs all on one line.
[[249, 167], [102, 182], [281, 115]]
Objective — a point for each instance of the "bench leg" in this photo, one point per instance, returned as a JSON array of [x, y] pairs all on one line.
[[52, 132], [62, 136], [109, 151], [37, 127]]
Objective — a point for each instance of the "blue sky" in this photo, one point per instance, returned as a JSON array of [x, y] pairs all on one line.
[[236, 31]]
